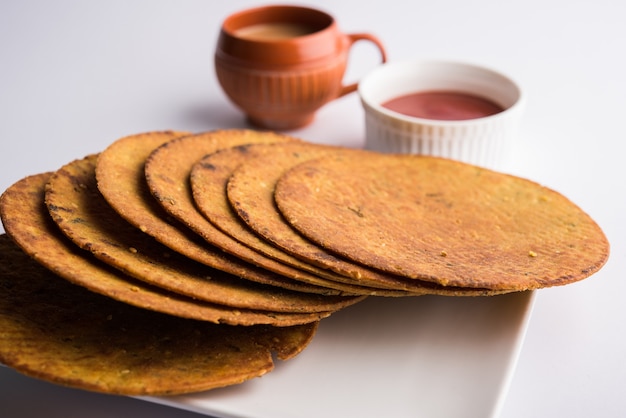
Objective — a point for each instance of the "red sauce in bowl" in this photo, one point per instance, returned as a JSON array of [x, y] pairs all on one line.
[[443, 105]]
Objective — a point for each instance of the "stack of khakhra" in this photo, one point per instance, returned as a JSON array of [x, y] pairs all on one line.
[[173, 262]]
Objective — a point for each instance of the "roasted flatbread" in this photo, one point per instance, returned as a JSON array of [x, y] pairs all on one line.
[[167, 172], [27, 221], [121, 180], [250, 191], [442, 221], [62, 333], [209, 179], [83, 215]]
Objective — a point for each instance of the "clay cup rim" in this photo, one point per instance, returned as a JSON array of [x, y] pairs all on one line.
[[323, 40]]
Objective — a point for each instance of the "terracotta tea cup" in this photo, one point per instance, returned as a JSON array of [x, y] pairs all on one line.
[[280, 64]]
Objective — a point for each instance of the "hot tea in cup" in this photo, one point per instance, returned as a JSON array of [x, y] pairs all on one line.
[[274, 31], [280, 64]]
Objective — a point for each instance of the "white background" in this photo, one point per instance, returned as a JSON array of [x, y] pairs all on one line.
[[76, 75]]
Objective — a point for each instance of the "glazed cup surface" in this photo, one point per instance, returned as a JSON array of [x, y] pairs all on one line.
[[484, 141], [280, 83]]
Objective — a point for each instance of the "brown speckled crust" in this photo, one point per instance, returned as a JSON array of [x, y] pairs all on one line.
[[251, 193], [27, 221], [442, 221], [83, 215], [62, 333], [121, 180], [167, 171], [209, 178]]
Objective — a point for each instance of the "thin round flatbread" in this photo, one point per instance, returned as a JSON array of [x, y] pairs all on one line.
[[209, 179], [121, 180], [251, 193], [62, 333], [442, 221], [27, 221], [83, 215], [167, 172]]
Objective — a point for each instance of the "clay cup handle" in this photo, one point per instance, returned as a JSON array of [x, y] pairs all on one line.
[[352, 39]]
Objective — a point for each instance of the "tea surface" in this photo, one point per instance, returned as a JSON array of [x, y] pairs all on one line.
[[273, 31]]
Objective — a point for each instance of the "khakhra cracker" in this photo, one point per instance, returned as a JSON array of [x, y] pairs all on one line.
[[121, 180], [27, 221], [82, 214], [442, 221], [209, 179], [167, 172], [250, 191], [65, 334]]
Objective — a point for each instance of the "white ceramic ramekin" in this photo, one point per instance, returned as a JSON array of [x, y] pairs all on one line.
[[484, 141]]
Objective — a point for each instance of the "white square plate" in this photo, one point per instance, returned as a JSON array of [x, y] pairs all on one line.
[[427, 356]]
